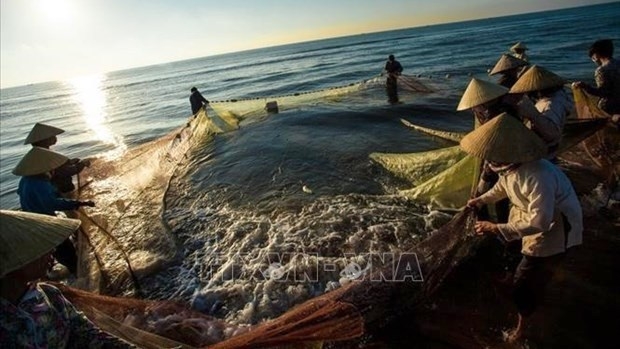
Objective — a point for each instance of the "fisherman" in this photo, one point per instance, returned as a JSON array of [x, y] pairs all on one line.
[[44, 136], [607, 77], [487, 100], [197, 101], [518, 51], [38, 195], [393, 69], [545, 214], [552, 105], [510, 69], [36, 314]]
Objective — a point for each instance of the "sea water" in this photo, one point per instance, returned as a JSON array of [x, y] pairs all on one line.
[[300, 183]]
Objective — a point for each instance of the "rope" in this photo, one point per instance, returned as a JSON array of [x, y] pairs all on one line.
[[113, 238]]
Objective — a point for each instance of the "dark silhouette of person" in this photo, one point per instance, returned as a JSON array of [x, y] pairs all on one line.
[[393, 69], [607, 76], [197, 101]]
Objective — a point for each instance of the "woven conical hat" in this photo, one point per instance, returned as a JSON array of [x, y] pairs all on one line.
[[504, 139], [507, 62], [479, 92], [518, 45], [41, 131], [26, 236], [536, 79], [38, 161]]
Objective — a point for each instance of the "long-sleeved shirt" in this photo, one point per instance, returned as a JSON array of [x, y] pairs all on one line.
[[539, 192], [44, 318], [38, 195], [607, 78], [548, 117]]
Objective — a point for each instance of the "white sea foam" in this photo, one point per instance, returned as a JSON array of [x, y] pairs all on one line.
[[245, 266]]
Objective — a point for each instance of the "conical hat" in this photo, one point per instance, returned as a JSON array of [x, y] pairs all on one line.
[[504, 139], [26, 236], [479, 92], [38, 161], [41, 131], [536, 79], [507, 62], [518, 45]]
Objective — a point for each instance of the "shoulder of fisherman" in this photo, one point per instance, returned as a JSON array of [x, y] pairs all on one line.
[[539, 193]]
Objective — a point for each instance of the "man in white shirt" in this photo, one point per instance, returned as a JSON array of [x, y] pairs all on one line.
[[548, 115], [545, 214]]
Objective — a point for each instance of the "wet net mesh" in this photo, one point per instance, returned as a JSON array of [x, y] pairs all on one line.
[[337, 315], [604, 147], [442, 178], [130, 192], [235, 110]]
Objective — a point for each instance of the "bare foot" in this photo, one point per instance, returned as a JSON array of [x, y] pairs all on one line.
[[516, 334]]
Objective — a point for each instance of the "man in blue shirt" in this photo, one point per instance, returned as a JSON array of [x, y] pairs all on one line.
[[37, 194]]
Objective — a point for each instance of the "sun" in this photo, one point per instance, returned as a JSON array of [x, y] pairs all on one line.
[[56, 11]]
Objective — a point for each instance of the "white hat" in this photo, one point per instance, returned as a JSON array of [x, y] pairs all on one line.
[[26, 236], [507, 62], [479, 92], [536, 79], [518, 46], [41, 131], [38, 161], [504, 139]]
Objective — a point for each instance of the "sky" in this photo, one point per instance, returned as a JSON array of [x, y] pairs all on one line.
[[43, 40]]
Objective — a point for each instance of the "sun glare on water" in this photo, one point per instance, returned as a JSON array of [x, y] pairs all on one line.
[[88, 93]]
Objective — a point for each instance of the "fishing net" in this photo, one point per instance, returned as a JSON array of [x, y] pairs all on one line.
[[450, 188], [128, 192], [398, 286], [151, 324], [127, 236], [235, 110], [603, 148], [443, 178]]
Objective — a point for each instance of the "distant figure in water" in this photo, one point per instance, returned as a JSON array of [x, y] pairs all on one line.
[[197, 101], [44, 136], [606, 75], [393, 69], [545, 215], [518, 50]]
